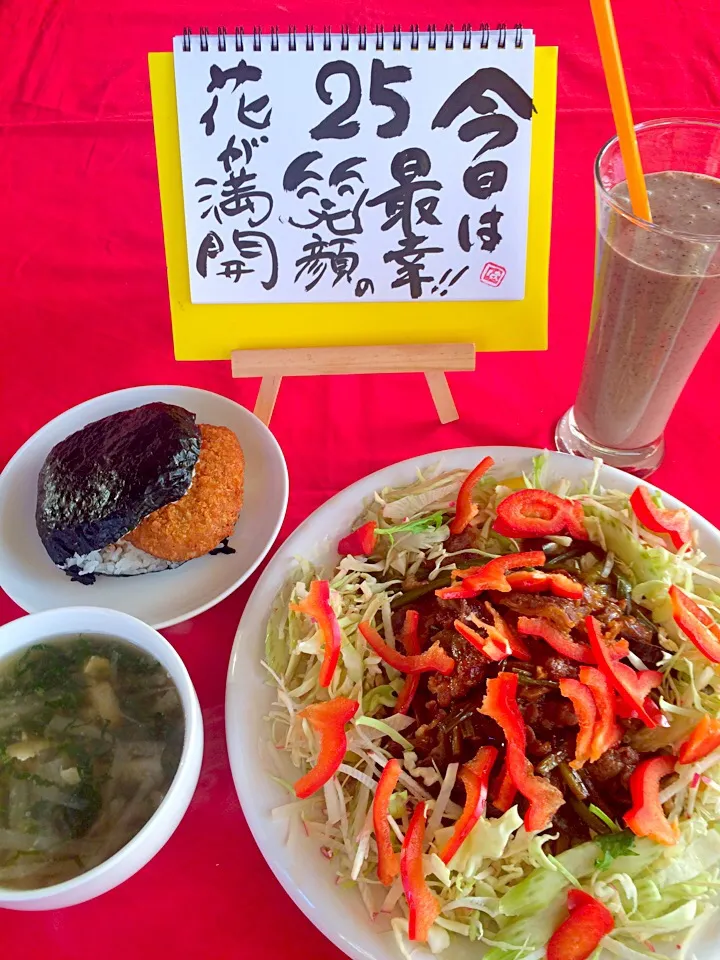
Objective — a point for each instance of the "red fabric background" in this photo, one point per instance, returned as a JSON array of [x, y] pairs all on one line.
[[83, 308]]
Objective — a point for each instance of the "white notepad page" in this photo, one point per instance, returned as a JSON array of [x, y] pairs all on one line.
[[356, 174]]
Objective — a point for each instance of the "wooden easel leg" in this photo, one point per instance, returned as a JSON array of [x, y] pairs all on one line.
[[267, 395], [442, 398]]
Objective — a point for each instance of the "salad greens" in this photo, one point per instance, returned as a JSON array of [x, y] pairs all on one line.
[[501, 888]]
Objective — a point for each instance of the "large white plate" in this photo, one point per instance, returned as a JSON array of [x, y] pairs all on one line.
[[28, 575], [306, 876]]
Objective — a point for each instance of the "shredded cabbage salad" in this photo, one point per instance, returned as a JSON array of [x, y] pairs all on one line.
[[502, 888]]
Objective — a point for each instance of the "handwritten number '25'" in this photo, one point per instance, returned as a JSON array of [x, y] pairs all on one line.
[[338, 125]]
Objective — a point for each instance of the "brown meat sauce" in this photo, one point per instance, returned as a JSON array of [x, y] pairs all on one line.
[[450, 727]]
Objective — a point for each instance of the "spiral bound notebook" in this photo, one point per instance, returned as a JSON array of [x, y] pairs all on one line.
[[407, 170], [341, 167]]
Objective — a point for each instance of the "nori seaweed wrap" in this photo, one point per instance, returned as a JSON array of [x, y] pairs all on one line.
[[99, 483]]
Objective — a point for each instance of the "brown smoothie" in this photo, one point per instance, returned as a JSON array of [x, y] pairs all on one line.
[[655, 307]]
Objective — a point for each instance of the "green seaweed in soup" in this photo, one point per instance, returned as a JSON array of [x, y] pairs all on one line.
[[91, 733]]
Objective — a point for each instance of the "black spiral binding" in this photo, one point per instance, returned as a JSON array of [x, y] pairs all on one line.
[[246, 44]]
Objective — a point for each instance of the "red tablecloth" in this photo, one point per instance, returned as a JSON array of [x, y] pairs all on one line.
[[83, 310]]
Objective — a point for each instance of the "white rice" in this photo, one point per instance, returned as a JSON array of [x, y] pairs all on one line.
[[119, 559]]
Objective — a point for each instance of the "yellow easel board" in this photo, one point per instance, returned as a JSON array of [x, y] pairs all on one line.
[[213, 331]]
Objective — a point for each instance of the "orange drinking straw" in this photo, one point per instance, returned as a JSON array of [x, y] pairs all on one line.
[[620, 103]]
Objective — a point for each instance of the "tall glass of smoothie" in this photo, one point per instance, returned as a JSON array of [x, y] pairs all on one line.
[[656, 299]]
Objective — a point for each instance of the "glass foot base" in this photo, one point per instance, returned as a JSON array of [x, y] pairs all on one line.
[[641, 462]]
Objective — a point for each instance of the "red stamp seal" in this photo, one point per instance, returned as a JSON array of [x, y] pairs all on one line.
[[492, 274]]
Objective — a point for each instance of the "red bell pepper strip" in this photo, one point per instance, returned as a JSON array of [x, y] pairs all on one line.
[[579, 898], [631, 686], [465, 509], [625, 712], [702, 741], [518, 646], [494, 645], [606, 732], [575, 521], [675, 523], [434, 659], [564, 586], [586, 712], [317, 606], [530, 513], [559, 641], [493, 572], [491, 576], [696, 624], [500, 641], [424, 905], [361, 542], [579, 936], [529, 581], [388, 861], [645, 681], [647, 818], [656, 713], [457, 591], [475, 776], [500, 703], [538, 513], [411, 642], [328, 720], [535, 581], [504, 790]]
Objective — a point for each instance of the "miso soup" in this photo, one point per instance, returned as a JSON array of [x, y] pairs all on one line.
[[91, 734]]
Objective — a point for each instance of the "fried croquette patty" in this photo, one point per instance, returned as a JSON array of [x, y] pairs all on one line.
[[208, 512]]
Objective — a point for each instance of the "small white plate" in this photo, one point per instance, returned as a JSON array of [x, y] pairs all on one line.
[[29, 577], [304, 873]]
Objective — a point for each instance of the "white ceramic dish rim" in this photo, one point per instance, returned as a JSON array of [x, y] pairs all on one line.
[[245, 760], [188, 767], [160, 388]]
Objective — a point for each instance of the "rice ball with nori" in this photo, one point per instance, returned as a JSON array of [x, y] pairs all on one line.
[[98, 484]]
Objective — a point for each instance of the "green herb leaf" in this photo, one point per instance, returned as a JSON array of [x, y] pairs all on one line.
[[431, 522], [614, 845]]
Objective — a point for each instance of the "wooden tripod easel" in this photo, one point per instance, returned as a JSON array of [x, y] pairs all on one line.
[[434, 360]]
